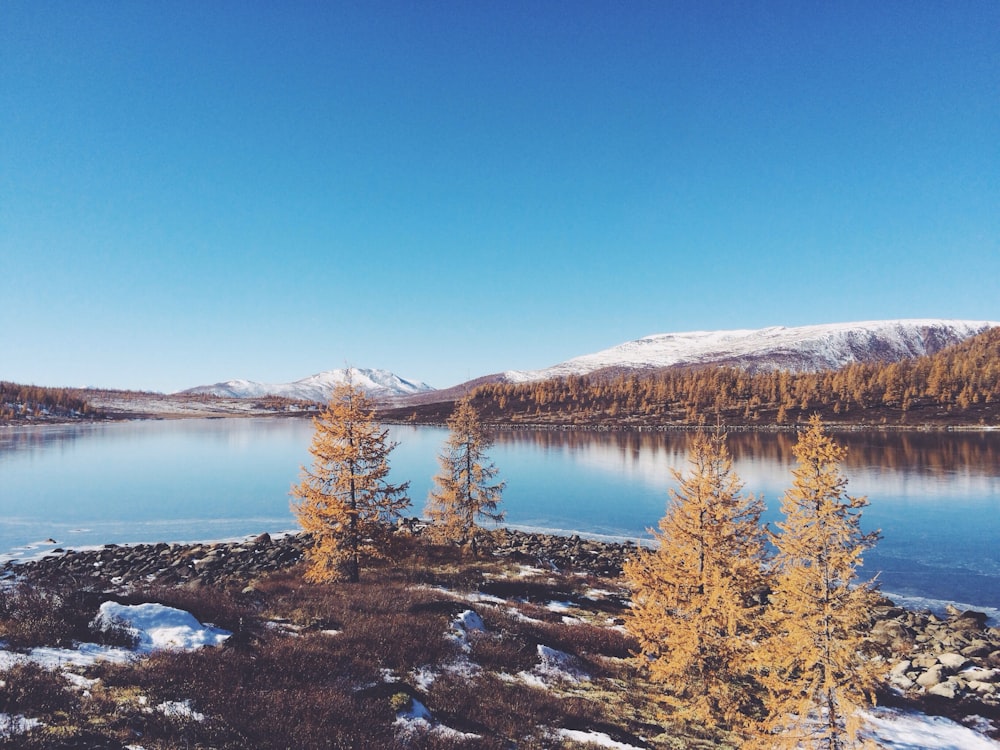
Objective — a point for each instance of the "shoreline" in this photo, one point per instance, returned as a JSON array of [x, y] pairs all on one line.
[[540, 540], [947, 665], [836, 427]]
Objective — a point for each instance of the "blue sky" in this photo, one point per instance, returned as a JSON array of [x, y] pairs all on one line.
[[191, 192]]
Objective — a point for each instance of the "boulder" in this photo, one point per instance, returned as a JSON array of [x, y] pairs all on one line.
[[943, 690], [933, 676], [952, 661]]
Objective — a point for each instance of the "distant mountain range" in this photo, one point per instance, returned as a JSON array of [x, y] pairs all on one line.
[[379, 384], [800, 349]]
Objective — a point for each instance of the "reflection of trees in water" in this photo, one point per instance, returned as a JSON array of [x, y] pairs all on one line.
[[924, 453], [32, 439]]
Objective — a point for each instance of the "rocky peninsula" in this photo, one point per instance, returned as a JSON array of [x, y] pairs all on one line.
[[948, 665]]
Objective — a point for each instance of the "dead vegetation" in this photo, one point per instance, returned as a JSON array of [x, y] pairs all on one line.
[[342, 665]]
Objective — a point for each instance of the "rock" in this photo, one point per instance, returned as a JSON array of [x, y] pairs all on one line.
[[891, 633], [976, 649], [969, 619], [952, 661], [901, 668], [933, 676], [943, 690]]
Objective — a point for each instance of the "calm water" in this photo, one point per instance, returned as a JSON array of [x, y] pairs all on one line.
[[935, 497]]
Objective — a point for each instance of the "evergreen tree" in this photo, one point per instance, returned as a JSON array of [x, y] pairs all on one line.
[[464, 490], [817, 672], [345, 500], [695, 602]]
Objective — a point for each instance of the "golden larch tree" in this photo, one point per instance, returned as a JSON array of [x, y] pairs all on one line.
[[345, 501], [696, 595], [819, 670], [464, 490]]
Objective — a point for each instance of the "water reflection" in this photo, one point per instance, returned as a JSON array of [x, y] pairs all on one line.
[[924, 453], [934, 495]]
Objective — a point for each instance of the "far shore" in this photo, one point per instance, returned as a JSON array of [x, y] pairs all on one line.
[[250, 413]]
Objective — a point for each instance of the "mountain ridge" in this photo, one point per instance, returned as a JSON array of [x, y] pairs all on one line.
[[381, 385], [796, 348]]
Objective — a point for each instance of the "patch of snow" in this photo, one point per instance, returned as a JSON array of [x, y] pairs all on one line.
[[78, 681], [416, 712], [160, 627], [180, 709], [530, 571], [554, 665], [521, 617], [84, 655], [423, 678], [561, 606], [11, 725], [593, 738], [467, 621], [417, 718], [478, 596], [598, 594], [905, 730]]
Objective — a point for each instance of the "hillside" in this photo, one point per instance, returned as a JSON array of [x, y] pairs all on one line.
[[31, 403], [796, 349], [959, 385]]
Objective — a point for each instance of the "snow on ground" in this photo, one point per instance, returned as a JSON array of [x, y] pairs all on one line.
[[160, 627], [417, 718], [156, 627], [553, 666], [49, 657], [906, 730], [593, 738], [467, 621], [16, 724], [180, 709]]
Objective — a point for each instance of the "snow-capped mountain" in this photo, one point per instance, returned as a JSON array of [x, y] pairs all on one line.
[[379, 384], [805, 348]]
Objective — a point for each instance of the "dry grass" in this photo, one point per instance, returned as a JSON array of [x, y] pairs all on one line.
[[284, 680]]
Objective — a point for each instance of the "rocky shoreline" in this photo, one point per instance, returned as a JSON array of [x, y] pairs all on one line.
[[235, 563], [946, 665]]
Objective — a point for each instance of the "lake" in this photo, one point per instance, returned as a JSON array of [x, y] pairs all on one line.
[[935, 496]]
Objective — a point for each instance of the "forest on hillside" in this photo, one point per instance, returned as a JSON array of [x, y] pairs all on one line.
[[32, 403], [959, 385]]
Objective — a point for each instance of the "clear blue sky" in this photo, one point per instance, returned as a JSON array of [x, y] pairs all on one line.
[[196, 191]]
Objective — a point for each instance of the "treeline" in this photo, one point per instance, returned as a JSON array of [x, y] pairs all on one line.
[[36, 403], [960, 384]]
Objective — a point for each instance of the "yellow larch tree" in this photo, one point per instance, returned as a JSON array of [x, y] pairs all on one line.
[[345, 501], [696, 596], [818, 665], [464, 490]]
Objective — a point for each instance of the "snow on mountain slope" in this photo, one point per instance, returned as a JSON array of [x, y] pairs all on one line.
[[803, 348], [379, 384]]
